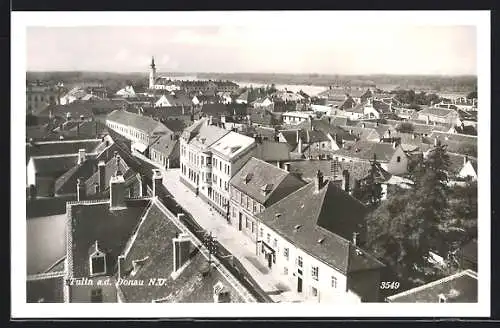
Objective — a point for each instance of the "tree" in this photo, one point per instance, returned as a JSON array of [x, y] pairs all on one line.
[[405, 127], [472, 95], [369, 190], [405, 227]]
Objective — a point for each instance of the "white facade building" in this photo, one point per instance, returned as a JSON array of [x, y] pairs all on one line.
[[209, 157]]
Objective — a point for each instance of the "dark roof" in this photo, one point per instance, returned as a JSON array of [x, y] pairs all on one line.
[[48, 290], [269, 151], [365, 150], [436, 111], [54, 166], [263, 117], [143, 123], [381, 106], [457, 288], [167, 145], [165, 113], [47, 206], [60, 147], [330, 214], [76, 109], [66, 183], [110, 170], [215, 109], [177, 98], [110, 228], [256, 176], [307, 169], [362, 133], [153, 245]]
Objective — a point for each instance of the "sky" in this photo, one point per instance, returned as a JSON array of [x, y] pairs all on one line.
[[285, 48]]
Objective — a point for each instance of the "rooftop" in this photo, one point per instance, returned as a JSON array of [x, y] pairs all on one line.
[[111, 229], [232, 144], [457, 288], [152, 248], [270, 151], [263, 181], [330, 214], [143, 123]]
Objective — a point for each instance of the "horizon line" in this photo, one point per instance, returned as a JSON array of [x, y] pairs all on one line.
[[263, 73]]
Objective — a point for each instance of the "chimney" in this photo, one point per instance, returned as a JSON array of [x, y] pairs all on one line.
[[466, 159], [68, 116], [80, 189], [115, 153], [350, 131], [427, 119], [299, 147], [51, 114], [143, 187], [121, 265], [157, 181], [363, 125], [355, 238], [318, 181], [32, 191], [345, 180], [182, 250], [221, 294], [413, 136], [117, 191], [101, 168], [287, 167], [435, 141], [394, 144], [81, 156]]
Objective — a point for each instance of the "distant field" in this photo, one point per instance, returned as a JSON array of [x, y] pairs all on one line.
[[430, 83]]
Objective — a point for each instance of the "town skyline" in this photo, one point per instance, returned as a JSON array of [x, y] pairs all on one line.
[[421, 50]]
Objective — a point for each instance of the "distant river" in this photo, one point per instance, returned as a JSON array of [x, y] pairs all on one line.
[[311, 90]]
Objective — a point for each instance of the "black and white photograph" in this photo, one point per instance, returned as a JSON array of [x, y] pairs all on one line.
[[293, 163]]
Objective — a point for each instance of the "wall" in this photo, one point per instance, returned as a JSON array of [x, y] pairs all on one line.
[[289, 276], [81, 294], [366, 283], [395, 167]]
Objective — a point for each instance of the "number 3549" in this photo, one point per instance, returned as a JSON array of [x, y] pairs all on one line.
[[389, 285]]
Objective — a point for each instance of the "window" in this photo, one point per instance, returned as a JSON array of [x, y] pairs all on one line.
[[96, 296], [398, 159], [299, 261], [247, 224], [249, 203], [261, 233], [253, 227], [268, 238], [275, 243], [334, 282], [261, 208], [98, 264], [286, 253], [314, 291], [285, 271], [254, 207], [315, 273]]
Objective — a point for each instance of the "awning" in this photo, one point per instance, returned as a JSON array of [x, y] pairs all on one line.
[[139, 146]]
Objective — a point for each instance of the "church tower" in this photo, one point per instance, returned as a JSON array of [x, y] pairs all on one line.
[[152, 73]]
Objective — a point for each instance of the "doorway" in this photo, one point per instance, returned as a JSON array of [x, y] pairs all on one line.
[[269, 260], [299, 285]]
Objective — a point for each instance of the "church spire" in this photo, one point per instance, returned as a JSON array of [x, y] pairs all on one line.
[[153, 61]]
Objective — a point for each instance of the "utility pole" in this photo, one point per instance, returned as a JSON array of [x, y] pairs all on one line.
[[211, 246]]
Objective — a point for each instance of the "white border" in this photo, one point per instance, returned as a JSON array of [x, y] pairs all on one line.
[[19, 22]]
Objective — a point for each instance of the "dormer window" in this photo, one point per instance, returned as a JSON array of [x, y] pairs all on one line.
[[248, 177], [442, 298], [97, 260]]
